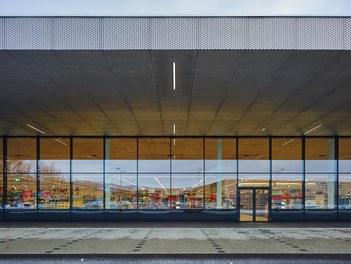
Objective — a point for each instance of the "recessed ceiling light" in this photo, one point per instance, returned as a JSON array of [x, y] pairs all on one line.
[[63, 143], [263, 129], [174, 75], [289, 141], [309, 131], [32, 127]]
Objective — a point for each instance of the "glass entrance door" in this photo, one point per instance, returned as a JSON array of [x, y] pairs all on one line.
[[254, 204]]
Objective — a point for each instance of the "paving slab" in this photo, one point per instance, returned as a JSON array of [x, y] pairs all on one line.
[[134, 241]]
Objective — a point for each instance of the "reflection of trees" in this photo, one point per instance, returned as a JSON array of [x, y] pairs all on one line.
[[21, 166]]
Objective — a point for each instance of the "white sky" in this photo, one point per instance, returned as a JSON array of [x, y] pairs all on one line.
[[175, 7]]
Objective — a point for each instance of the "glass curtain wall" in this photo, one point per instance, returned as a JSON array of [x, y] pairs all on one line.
[[187, 179], [121, 173], [21, 173], [344, 173], [287, 173], [54, 173], [254, 164], [1, 175], [220, 173], [154, 177], [169, 173], [87, 173], [321, 170]]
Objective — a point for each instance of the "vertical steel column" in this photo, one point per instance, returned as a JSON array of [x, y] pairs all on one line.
[[204, 173], [304, 178], [137, 168], [170, 173], [219, 173], [70, 177], [103, 176], [237, 179], [270, 180], [4, 175], [337, 177], [38, 175]]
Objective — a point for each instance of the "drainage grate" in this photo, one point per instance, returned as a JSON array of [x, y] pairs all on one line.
[[142, 242], [213, 243]]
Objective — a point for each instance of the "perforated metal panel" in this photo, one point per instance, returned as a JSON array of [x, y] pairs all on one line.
[[174, 33], [126, 33], [28, 33], [347, 34], [2, 33], [317, 33], [271, 33], [76, 33], [222, 33], [166, 32]]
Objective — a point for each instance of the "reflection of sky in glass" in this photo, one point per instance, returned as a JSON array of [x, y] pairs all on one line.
[[282, 166], [56, 165], [94, 178], [345, 178], [187, 181], [87, 166], [121, 165], [220, 165], [247, 180], [124, 181], [154, 165], [187, 165], [345, 165], [254, 165], [321, 165], [160, 182]]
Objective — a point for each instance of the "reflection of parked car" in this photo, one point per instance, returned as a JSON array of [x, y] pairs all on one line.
[[20, 206]]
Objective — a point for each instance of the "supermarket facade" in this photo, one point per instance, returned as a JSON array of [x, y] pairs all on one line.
[[175, 119]]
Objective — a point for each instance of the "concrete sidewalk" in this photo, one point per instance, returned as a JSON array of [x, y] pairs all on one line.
[[262, 239]]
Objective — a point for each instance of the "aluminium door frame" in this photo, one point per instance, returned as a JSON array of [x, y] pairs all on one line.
[[254, 202]]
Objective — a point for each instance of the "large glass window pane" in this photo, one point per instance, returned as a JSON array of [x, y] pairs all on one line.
[[121, 155], [344, 191], [220, 154], [87, 155], [320, 191], [287, 191], [1, 191], [220, 191], [187, 155], [1, 176], [54, 155], [154, 155], [254, 180], [21, 191], [154, 191], [320, 155], [87, 191], [187, 191], [21, 155], [121, 192], [54, 191], [1, 157], [344, 154], [286, 155], [254, 155]]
